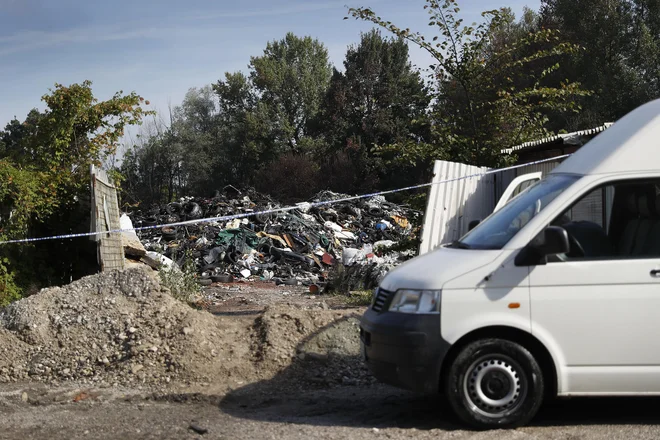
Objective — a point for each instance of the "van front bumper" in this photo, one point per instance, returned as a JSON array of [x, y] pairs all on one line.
[[404, 350]]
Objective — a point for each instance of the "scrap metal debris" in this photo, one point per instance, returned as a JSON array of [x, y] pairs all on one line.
[[296, 247]]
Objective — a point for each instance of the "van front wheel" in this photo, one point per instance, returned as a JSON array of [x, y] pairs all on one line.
[[494, 383]]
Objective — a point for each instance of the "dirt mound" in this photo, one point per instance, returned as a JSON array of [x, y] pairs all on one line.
[[122, 327], [13, 357], [310, 346], [116, 327]]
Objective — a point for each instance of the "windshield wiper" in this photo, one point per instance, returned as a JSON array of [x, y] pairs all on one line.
[[460, 245]]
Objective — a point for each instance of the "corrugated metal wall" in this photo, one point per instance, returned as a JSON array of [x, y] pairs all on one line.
[[452, 206]]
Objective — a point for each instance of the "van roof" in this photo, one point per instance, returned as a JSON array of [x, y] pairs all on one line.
[[632, 144]]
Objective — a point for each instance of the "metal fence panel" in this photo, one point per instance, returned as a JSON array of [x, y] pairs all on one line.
[[452, 205]]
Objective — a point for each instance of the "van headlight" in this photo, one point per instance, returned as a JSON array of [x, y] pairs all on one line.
[[416, 301]]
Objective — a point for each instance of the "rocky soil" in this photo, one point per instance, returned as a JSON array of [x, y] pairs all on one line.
[[123, 328], [115, 356]]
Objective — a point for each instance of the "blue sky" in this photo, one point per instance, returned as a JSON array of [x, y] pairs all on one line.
[[161, 48]]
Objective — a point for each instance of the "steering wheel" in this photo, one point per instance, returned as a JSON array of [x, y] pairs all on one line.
[[576, 248]]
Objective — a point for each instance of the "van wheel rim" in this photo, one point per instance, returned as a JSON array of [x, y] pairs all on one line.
[[495, 386]]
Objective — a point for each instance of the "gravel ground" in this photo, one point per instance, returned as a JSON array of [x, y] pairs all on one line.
[[269, 365], [248, 298], [370, 412]]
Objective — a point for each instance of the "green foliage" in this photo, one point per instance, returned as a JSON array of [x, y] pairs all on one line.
[[235, 131], [291, 78], [44, 177], [246, 129], [359, 298], [9, 291], [621, 58], [290, 178], [380, 99], [47, 158], [182, 283], [25, 194], [487, 95], [177, 159]]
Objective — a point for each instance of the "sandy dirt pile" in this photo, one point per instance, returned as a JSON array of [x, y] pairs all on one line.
[[124, 328], [116, 327], [310, 346]]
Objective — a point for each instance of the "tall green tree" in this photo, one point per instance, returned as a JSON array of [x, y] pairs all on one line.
[[486, 96], [291, 78], [58, 146], [273, 110], [379, 99], [194, 138], [621, 60], [152, 170], [246, 129]]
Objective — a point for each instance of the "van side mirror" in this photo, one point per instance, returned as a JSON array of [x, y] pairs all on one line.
[[473, 224], [553, 240]]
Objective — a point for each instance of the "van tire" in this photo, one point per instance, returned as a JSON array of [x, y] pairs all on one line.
[[503, 372]]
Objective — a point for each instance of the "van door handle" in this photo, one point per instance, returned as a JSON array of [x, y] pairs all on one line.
[[655, 273]]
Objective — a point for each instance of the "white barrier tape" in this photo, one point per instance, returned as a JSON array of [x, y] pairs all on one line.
[[276, 210]]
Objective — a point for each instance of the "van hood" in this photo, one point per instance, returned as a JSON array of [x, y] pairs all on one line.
[[434, 269]]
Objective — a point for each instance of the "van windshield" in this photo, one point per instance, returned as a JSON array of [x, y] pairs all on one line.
[[500, 227]]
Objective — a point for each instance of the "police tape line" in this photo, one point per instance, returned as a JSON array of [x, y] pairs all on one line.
[[305, 205]]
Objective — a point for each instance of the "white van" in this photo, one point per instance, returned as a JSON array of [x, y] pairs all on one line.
[[556, 293]]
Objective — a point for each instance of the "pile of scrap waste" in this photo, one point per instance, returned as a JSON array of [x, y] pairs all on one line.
[[294, 247]]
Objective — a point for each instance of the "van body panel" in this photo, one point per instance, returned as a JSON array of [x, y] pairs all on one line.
[[601, 314], [463, 321], [432, 270], [556, 353], [611, 381], [496, 294]]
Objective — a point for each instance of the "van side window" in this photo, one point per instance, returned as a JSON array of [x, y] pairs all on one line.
[[615, 221]]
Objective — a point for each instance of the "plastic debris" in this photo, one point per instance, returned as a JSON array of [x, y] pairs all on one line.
[[294, 247]]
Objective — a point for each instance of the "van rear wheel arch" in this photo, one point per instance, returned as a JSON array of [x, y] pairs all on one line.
[[527, 340]]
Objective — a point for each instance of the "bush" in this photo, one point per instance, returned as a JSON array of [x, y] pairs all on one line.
[[344, 174], [291, 178], [181, 283], [9, 291]]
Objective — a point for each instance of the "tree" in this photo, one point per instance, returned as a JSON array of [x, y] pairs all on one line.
[[194, 139], [621, 64], [185, 155], [152, 171], [272, 111], [245, 129], [291, 78], [486, 97], [59, 145], [378, 100], [44, 174]]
